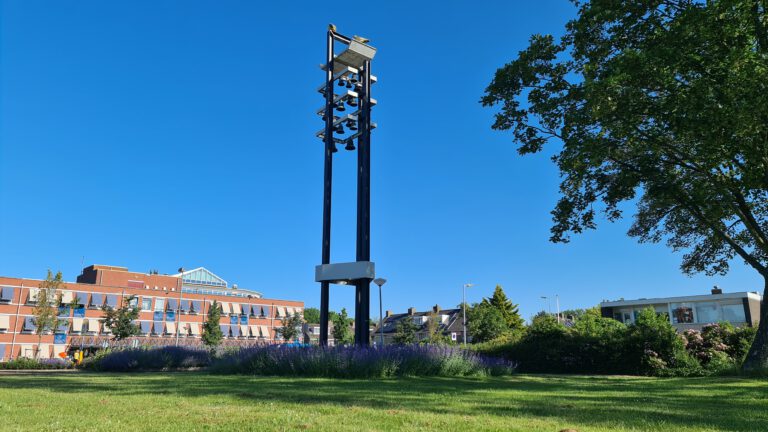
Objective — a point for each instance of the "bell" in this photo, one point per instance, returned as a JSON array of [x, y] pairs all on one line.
[[349, 146], [339, 129], [349, 85], [340, 107], [353, 79], [352, 102], [351, 125], [333, 148], [342, 82]]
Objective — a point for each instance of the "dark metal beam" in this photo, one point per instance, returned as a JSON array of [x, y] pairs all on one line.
[[327, 187]]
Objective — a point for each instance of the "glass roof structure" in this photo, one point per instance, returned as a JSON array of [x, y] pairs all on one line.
[[202, 281], [203, 277]]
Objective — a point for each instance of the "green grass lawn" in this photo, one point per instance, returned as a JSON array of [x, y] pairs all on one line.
[[197, 401]]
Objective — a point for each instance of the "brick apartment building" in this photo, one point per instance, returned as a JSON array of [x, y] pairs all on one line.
[[172, 311]]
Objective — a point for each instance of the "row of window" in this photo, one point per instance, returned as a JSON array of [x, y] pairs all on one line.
[[77, 301], [689, 312]]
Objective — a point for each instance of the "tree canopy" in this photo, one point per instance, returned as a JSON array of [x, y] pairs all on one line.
[[121, 321], [212, 334], [342, 335], [509, 311], [405, 332], [312, 315], [486, 322], [661, 105]]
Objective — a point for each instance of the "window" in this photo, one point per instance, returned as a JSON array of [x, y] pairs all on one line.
[[707, 312], [682, 313], [6, 294], [160, 304], [733, 313], [134, 302], [146, 304]]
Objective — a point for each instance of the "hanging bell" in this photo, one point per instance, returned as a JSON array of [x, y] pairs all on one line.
[[333, 148], [353, 79], [351, 125], [352, 102], [342, 82], [349, 146], [339, 129], [349, 85], [340, 106]]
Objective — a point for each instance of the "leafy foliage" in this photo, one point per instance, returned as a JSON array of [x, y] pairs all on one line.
[[405, 332], [212, 334], [661, 104], [509, 311], [485, 322], [601, 345], [312, 315], [121, 321], [342, 334], [291, 328], [45, 313]]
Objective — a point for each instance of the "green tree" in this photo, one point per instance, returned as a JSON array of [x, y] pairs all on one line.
[[121, 320], [291, 328], [661, 105], [405, 331], [342, 335], [212, 334], [485, 322], [312, 315], [45, 313], [509, 311], [435, 335]]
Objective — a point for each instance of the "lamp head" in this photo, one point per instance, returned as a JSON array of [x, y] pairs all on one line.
[[379, 281]]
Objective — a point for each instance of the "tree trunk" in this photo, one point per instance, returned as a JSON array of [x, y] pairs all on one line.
[[757, 358]]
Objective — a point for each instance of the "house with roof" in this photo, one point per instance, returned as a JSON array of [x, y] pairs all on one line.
[[449, 324]]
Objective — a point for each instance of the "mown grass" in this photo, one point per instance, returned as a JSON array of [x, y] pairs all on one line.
[[198, 401]]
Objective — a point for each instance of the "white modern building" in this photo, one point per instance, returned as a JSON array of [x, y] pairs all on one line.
[[692, 312]]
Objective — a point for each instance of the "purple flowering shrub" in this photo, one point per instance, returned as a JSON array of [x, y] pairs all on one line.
[[36, 364], [360, 362], [138, 359]]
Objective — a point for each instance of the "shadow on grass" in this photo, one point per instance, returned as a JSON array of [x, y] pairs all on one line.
[[728, 404]]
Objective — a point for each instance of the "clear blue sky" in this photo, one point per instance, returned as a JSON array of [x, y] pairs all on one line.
[[160, 134]]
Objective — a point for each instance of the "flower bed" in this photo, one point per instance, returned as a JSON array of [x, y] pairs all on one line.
[[360, 362], [335, 362], [35, 364]]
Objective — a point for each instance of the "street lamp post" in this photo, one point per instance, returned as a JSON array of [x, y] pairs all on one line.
[[380, 282], [464, 309]]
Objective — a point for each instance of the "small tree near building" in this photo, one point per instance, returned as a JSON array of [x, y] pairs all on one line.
[[212, 334], [291, 327], [312, 315], [434, 335], [342, 334], [405, 332], [121, 320], [45, 313]]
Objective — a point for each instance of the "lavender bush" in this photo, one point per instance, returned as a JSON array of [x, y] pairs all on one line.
[[30, 364], [136, 359], [358, 362]]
